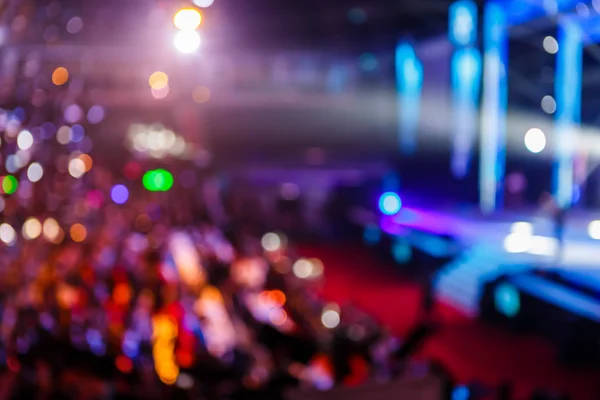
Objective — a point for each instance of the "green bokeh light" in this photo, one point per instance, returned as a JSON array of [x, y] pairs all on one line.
[[9, 184], [157, 180]]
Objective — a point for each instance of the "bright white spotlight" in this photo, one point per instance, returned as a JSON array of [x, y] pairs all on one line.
[[594, 230], [187, 41], [535, 140], [518, 243]]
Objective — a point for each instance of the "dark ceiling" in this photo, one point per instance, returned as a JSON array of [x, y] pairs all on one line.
[[248, 24]]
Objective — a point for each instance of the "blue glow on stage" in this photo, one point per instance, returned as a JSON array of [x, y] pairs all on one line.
[[463, 23], [568, 111], [466, 81], [493, 118], [409, 83]]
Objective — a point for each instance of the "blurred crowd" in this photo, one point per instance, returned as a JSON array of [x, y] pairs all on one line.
[[181, 294]]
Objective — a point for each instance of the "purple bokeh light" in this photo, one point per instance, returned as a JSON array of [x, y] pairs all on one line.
[[119, 194]]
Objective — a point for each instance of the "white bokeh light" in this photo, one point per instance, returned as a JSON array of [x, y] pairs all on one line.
[[330, 318], [535, 140], [550, 45], [548, 104], [32, 229], [76, 168], [35, 172], [8, 234], [187, 41], [203, 3], [302, 268], [594, 230], [25, 140], [271, 241]]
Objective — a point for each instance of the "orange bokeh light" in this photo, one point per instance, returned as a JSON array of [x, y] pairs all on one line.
[[60, 76], [78, 233], [87, 161]]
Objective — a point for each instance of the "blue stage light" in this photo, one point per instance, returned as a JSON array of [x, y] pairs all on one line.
[[409, 85], [493, 108], [463, 23], [507, 300], [390, 203], [461, 393]]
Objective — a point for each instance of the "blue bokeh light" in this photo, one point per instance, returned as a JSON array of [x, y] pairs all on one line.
[[119, 194], [390, 203], [507, 300], [461, 393]]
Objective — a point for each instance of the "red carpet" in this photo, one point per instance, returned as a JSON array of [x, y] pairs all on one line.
[[469, 349]]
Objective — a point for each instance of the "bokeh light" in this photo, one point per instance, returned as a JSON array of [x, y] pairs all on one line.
[[76, 168], [63, 135], [9, 184], [75, 25], [594, 230], [330, 318], [203, 3], [187, 19], [535, 140], [187, 41], [548, 104], [60, 76], [73, 113], [87, 161], [78, 233], [161, 93], [95, 114], [271, 241], [77, 133], [550, 45], [302, 268], [25, 140], [158, 80], [119, 194], [158, 180], [8, 235], [32, 229], [390, 203], [52, 231]]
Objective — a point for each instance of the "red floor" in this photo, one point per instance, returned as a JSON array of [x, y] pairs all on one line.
[[470, 350]]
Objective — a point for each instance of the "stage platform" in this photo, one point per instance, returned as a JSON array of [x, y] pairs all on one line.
[[508, 243]]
